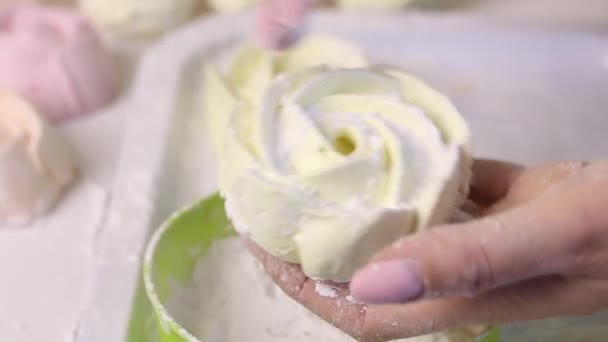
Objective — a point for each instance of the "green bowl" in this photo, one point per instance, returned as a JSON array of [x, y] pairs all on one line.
[[169, 259]]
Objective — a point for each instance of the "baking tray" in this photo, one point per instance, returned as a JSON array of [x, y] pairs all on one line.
[[529, 95]]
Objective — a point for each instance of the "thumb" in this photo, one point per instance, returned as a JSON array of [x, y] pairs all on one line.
[[541, 238]]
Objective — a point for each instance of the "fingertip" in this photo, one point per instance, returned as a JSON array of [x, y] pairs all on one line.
[[278, 23], [275, 38]]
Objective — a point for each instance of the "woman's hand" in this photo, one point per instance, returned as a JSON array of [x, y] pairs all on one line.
[[540, 250], [278, 22]]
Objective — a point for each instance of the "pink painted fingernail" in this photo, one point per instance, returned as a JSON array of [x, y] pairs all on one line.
[[393, 281], [278, 22]]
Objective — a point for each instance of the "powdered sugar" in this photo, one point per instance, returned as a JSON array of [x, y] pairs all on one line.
[[353, 300], [232, 300], [325, 290]]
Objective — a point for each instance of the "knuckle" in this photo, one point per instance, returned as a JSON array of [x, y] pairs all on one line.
[[478, 272], [464, 266]]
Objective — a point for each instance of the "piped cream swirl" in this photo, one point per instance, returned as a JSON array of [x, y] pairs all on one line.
[[333, 164]]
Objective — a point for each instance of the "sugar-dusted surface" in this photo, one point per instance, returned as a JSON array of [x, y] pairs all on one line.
[[50, 294], [232, 299], [46, 267]]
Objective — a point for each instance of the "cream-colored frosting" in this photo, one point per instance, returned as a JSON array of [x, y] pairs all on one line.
[[231, 5], [252, 69], [138, 17], [324, 166], [381, 5], [36, 164]]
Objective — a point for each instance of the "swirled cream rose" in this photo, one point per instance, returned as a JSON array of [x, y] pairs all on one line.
[[36, 163], [329, 165]]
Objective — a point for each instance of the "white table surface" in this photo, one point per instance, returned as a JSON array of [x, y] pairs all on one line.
[[46, 266], [47, 269]]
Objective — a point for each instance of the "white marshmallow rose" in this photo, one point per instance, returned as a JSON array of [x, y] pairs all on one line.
[[36, 164], [138, 17], [332, 165], [324, 166]]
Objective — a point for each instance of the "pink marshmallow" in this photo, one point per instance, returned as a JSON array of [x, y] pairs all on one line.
[[55, 59]]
